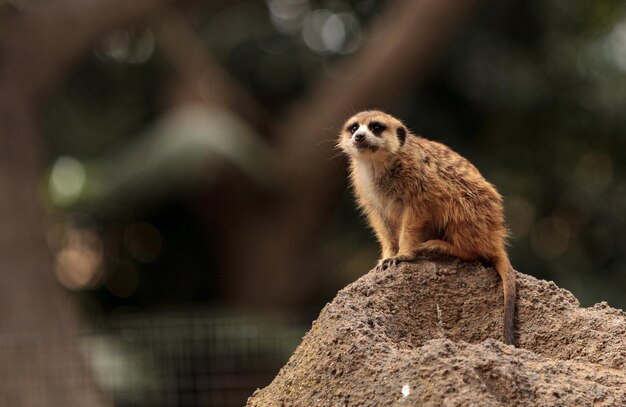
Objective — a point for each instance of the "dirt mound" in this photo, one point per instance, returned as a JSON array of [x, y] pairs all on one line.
[[429, 333]]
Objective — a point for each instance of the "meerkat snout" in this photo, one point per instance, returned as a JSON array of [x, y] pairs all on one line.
[[363, 140]]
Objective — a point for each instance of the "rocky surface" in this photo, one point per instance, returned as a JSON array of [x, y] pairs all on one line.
[[429, 334]]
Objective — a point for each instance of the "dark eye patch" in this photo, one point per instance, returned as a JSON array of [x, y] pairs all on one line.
[[377, 128], [353, 127], [401, 133]]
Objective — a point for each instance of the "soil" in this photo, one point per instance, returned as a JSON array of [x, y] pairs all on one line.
[[429, 334]]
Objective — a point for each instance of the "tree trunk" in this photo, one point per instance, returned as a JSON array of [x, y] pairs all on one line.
[[40, 362]]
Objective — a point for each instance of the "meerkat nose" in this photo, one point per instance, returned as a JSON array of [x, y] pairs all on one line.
[[359, 137]]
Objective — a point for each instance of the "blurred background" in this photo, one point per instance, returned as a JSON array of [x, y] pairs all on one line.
[[174, 213]]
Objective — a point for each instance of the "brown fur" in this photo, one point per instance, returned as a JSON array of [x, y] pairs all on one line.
[[422, 196]]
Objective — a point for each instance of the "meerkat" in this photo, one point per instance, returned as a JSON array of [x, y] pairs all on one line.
[[420, 195]]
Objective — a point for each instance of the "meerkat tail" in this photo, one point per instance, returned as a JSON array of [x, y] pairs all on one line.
[[507, 274]]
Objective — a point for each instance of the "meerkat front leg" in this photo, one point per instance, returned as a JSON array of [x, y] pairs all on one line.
[[387, 237], [411, 236]]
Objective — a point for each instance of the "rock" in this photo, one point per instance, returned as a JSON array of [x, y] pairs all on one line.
[[429, 333]]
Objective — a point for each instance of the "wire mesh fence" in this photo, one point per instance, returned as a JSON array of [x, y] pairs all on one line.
[[168, 360]]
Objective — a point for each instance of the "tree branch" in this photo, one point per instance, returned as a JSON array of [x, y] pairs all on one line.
[[201, 73], [406, 42]]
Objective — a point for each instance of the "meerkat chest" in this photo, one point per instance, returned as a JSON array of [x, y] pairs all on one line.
[[376, 191]]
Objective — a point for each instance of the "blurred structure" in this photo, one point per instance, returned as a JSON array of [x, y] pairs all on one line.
[[172, 359], [183, 152]]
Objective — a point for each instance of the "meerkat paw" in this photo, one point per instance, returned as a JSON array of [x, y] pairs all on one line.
[[390, 262], [383, 264]]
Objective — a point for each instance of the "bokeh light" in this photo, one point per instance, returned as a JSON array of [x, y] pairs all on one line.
[[78, 263], [288, 15], [66, 181], [130, 47], [325, 31], [615, 45]]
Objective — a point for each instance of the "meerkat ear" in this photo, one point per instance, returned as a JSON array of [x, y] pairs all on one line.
[[401, 133]]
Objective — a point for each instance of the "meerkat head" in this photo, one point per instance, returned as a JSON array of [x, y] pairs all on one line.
[[372, 134]]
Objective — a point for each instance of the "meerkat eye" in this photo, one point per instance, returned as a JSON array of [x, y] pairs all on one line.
[[376, 127], [354, 127]]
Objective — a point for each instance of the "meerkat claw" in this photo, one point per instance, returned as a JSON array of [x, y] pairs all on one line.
[[393, 262]]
